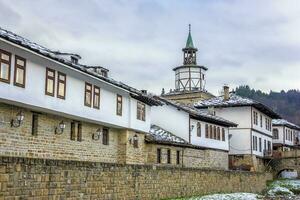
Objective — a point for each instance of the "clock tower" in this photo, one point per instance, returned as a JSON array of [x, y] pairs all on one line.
[[190, 78]]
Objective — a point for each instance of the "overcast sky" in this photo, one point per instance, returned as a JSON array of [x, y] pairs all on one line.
[[240, 42]]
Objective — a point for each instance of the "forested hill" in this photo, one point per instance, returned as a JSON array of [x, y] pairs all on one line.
[[286, 103]]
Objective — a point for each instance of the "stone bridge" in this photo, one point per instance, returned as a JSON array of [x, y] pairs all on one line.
[[287, 160]]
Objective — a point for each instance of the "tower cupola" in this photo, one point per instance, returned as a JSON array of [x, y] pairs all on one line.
[[189, 76]]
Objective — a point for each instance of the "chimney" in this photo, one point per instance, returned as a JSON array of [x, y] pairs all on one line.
[[144, 91], [226, 92]]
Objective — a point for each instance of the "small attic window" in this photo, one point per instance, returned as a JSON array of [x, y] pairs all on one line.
[[74, 60]]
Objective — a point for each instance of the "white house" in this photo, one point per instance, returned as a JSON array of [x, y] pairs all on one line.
[[40, 79], [197, 127], [253, 135], [285, 134]]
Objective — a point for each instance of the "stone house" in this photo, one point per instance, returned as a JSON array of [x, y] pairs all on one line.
[[251, 141], [285, 135], [200, 129]]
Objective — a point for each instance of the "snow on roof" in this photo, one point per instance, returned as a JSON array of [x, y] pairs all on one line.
[[235, 101], [198, 114], [283, 122], [60, 57], [158, 134]]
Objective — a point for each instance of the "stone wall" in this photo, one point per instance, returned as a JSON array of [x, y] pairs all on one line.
[[189, 157], [248, 162], [19, 142], [23, 178]]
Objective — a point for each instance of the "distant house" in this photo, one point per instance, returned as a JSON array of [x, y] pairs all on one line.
[[251, 140], [285, 135], [197, 128]]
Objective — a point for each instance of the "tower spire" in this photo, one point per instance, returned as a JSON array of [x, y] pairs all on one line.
[[189, 41]]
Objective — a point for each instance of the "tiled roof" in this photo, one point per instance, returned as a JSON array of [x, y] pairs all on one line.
[[283, 122], [198, 114], [158, 134], [235, 101], [59, 57]]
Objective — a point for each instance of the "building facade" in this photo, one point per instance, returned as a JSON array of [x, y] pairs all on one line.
[[251, 140], [190, 78], [285, 135]]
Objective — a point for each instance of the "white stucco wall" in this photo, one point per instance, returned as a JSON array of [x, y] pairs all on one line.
[[207, 142], [33, 95], [280, 139], [171, 119], [240, 141], [263, 138]]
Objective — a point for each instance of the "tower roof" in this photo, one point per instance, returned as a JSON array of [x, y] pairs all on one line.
[[189, 41]]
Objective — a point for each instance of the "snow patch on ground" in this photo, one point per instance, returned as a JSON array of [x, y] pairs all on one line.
[[284, 188], [232, 196]]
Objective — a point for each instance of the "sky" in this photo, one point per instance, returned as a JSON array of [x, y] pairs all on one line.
[[241, 42]]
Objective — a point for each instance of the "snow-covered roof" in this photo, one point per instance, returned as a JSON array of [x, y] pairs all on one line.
[[283, 122], [61, 58], [236, 101], [198, 114], [157, 134]]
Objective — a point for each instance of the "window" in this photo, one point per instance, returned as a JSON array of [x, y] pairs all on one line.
[[50, 81], [254, 143], [135, 141], [88, 95], [223, 134], [61, 85], [215, 132], [218, 134], [206, 130], [72, 136], [255, 117], [119, 105], [79, 132], [275, 133], [158, 155], [261, 121], [210, 131], [34, 127], [177, 157], [20, 69], [96, 101], [5, 59], [141, 111], [105, 136], [259, 143], [269, 146], [265, 144], [198, 129], [169, 156]]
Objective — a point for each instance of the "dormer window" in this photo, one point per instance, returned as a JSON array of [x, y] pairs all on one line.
[[74, 60]]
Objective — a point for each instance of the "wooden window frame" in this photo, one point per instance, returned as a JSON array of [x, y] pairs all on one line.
[[51, 78], [121, 104], [206, 131], [73, 131], [79, 132], [218, 133], [198, 129], [95, 95], [223, 134], [169, 155], [105, 139], [22, 68], [158, 156], [6, 62], [63, 82], [34, 124], [91, 94], [141, 111], [259, 145], [178, 157]]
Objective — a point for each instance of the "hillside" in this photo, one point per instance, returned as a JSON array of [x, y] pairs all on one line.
[[286, 103]]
